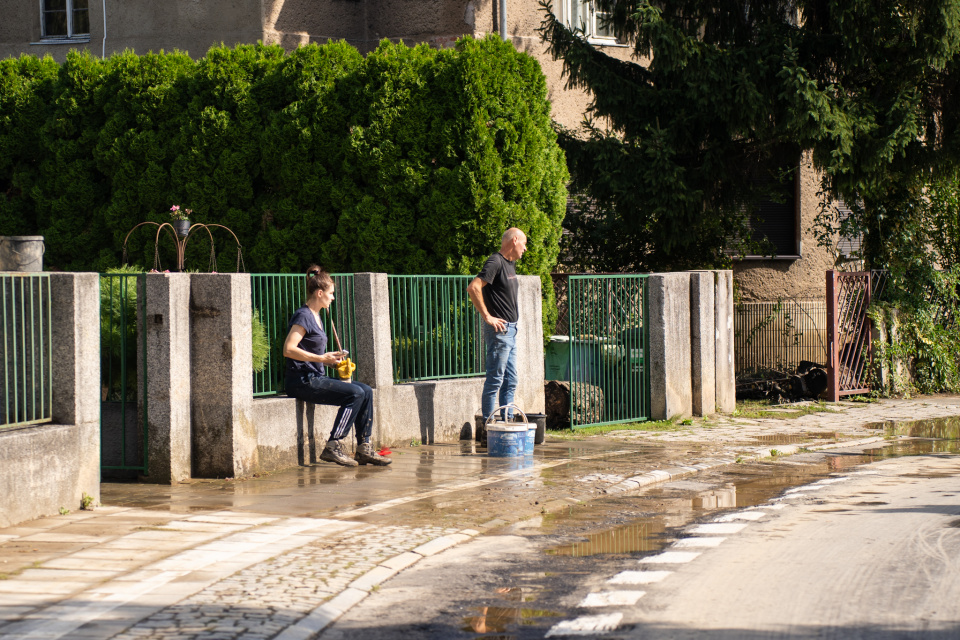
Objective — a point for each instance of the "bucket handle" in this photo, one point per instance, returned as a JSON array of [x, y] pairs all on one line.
[[43, 246], [494, 412]]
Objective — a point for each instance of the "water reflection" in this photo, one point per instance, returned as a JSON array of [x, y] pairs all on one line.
[[717, 498], [644, 536], [497, 619]]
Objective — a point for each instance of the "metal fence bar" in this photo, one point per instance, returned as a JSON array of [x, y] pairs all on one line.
[[779, 335], [435, 332], [123, 345], [275, 296], [26, 349], [607, 336]]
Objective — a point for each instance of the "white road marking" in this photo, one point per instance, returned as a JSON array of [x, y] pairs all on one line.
[[638, 577], [719, 528], [741, 515], [671, 557], [693, 543], [612, 598], [586, 625]]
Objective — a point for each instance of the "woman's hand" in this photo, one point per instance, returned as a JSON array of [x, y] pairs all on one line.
[[331, 358]]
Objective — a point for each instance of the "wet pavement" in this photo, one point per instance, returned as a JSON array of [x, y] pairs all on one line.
[[286, 554]]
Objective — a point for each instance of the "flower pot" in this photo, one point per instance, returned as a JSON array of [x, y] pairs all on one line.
[[182, 227]]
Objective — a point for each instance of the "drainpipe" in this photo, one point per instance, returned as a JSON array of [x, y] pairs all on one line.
[[103, 52], [503, 19]]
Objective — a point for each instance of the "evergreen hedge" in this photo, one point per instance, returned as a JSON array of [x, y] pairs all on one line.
[[408, 160]]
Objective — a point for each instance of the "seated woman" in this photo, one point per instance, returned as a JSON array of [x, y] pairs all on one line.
[[305, 349]]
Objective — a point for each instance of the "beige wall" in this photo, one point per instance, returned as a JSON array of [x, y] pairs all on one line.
[[192, 26]]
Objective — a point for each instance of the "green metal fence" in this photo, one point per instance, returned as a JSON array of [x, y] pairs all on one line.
[[275, 297], [434, 329], [123, 373], [609, 378], [26, 349]]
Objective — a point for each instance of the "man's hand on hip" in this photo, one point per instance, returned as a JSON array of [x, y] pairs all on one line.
[[499, 324]]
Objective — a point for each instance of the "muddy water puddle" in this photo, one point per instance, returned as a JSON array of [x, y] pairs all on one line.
[[659, 513]]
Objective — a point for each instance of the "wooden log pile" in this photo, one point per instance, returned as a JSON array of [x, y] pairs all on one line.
[[808, 382]]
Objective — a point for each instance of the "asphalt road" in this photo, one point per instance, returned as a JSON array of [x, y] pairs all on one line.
[[812, 548]]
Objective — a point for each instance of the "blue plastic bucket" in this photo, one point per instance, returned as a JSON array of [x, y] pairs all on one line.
[[531, 439], [506, 440]]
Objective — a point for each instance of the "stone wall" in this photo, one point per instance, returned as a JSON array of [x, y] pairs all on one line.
[[46, 467], [230, 433]]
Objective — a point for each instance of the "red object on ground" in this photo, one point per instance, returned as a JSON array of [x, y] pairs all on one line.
[[384, 452]]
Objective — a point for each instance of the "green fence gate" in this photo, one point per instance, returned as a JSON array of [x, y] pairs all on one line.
[[609, 378], [123, 374]]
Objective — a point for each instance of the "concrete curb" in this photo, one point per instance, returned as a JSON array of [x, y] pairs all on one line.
[[311, 625]]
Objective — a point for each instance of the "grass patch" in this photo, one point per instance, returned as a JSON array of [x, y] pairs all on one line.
[[654, 426], [13, 574], [762, 409]]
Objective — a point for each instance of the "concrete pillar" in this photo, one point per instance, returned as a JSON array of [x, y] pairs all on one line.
[[167, 327], [726, 377], [703, 344], [529, 396], [75, 335], [372, 308], [224, 437], [668, 306]]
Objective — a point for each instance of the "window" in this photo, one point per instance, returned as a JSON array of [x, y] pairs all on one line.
[[61, 19], [777, 221], [848, 246], [584, 15]]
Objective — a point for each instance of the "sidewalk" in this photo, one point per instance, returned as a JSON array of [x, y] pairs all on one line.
[[285, 554]]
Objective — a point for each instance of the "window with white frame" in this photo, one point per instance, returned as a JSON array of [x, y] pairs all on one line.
[[65, 19], [587, 16]]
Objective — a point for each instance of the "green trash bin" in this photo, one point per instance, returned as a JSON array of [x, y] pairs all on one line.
[[556, 359], [586, 359]]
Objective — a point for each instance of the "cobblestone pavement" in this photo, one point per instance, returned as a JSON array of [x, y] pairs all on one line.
[[250, 566], [259, 602]]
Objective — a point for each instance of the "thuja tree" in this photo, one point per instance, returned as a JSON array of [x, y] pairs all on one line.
[[408, 160], [721, 91]]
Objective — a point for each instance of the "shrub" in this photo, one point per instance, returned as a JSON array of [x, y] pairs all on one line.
[[408, 161]]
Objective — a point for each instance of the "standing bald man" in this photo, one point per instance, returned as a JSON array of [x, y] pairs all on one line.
[[494, 294]]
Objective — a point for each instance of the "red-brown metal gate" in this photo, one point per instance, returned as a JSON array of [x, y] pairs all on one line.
[[849, 347]]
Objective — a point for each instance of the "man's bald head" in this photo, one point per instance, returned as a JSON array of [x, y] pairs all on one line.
[[513, 243], [510, 234]]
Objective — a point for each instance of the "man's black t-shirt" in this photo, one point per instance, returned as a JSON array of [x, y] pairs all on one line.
[[501, 294]]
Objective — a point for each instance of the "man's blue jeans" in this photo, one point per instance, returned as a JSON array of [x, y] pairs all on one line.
[[501, 382]]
